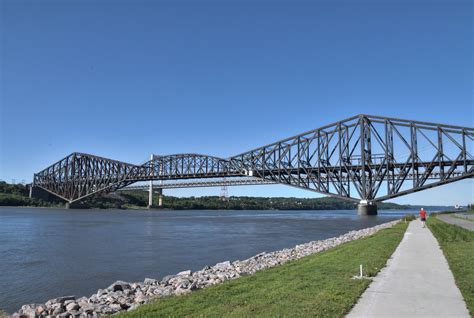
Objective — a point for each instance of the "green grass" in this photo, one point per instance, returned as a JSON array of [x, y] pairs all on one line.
[[319, 285], [458, 247]]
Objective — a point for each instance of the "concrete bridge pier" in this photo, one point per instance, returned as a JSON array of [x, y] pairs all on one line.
[[150, 196], [160, 198], [366, 208]]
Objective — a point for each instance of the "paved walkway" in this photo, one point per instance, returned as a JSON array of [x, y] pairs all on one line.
[[416, 282], [467, 224]]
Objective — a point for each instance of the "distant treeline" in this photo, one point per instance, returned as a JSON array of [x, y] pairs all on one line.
[[17, 195]]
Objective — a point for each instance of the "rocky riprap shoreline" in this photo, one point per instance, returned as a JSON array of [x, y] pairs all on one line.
[[122, 296]]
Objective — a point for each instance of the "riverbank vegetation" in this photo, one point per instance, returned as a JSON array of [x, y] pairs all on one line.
[[320, 285], [17, 195], [458, 247]]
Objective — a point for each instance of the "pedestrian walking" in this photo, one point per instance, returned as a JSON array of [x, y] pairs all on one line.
[[423, 216]]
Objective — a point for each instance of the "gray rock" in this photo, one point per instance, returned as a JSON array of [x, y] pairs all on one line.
[[88, 308], [28, 311], [150, 281], [136, 285], [119, 285], [40, 309], [57, 311], [72, 306], [115, 307], [133, 307], [183, 283], [184, 273], [182, 291], [167, 278], [60, 300], [223, 266], [125, 306]]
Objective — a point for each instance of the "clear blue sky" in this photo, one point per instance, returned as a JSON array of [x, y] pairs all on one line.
[[123, 79]]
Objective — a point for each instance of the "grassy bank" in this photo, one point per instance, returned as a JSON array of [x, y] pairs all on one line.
[[458, 247], [318, 285]]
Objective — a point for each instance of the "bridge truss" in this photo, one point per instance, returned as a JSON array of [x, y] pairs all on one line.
[[363, 158], [200, 183]]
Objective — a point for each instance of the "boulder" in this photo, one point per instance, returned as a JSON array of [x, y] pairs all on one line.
[[115, 307], [28, 310], [60, 300], [57, 311], [150, 281], [88, 308], [184, 273], [72, 306], [167, 278], [119, 286], [140, 299], [223, 266], [133, 307], [182, 291], [40, 309]]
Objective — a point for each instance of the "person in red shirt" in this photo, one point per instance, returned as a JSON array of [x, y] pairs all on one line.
[[423, 216]]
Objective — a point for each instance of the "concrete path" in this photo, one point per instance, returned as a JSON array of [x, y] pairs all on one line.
[[416, 282], [467, 224]]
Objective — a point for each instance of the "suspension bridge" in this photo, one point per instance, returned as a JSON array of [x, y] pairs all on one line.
[[365, 159]]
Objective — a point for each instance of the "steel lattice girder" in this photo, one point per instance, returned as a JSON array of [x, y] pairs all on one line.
[[201, 183], [361, 158]]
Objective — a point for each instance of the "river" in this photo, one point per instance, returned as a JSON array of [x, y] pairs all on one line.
[[46, 253]]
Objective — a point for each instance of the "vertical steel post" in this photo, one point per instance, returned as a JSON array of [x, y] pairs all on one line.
[[464, 151], [414, 155], [160, 192], [440, 153], [339, 133], [362, 158], [150, 190]]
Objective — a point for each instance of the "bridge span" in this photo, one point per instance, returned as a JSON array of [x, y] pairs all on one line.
[[365, 159]]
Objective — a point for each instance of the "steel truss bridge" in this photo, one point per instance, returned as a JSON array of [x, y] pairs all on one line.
[[363, 159]]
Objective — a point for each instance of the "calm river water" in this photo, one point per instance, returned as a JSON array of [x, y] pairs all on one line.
[[46, 253]]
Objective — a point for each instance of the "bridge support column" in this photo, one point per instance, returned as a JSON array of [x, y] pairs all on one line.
[[160, 197], [67, 205], [366, 208], [150, 195]]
